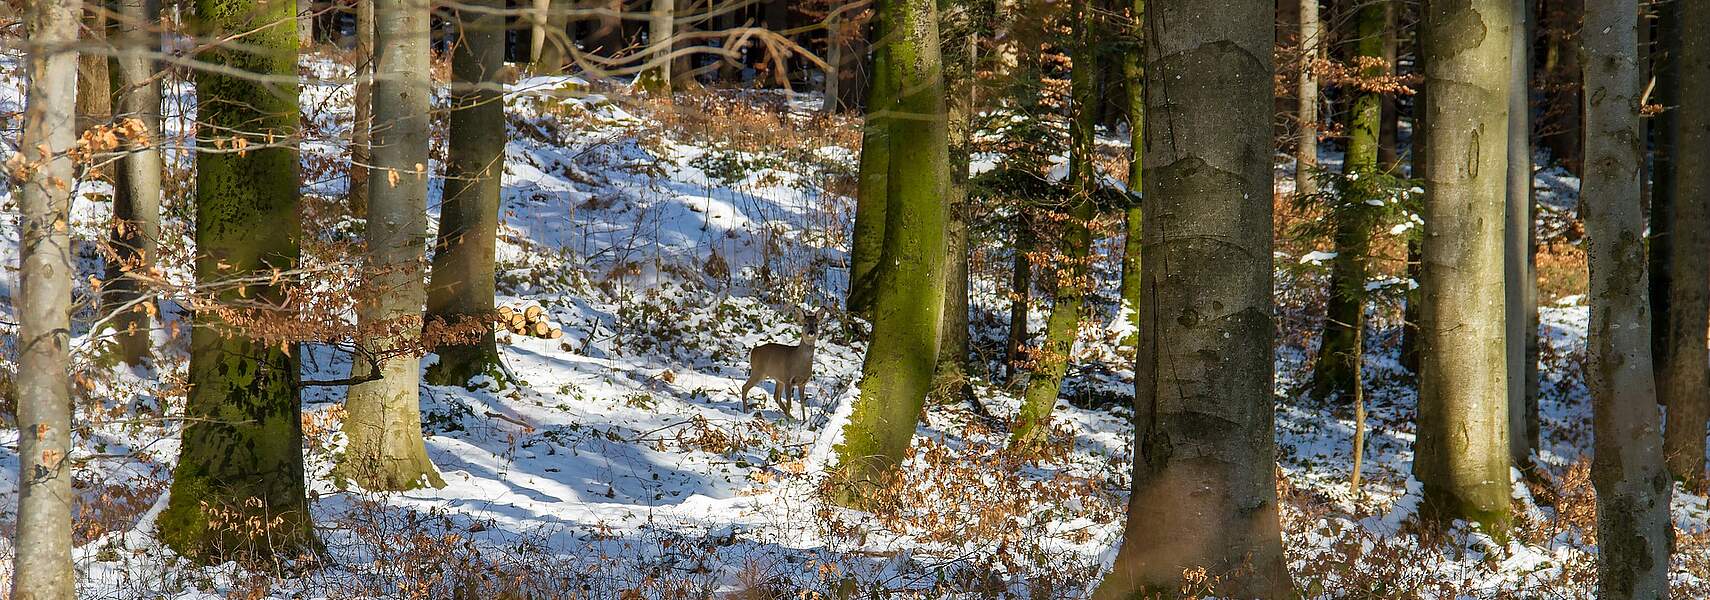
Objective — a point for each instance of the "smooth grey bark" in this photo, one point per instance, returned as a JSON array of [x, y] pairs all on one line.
[[661, 20], [1520, 285], [1684, 384], [384, 424], [135, 32], [463, 283], [1306, 149], [1633, 522], [42, 565], [1204, 461], [1461, 454]]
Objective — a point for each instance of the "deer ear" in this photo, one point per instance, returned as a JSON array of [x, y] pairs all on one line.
[[799, 315]]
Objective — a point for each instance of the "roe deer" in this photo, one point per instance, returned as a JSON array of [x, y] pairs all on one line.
[[789, 367]]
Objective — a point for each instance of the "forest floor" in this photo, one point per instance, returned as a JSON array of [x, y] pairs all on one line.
[[667, 239]]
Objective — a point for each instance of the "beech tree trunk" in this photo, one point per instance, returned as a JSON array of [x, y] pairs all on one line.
[[910, 294], [1633, 522], [1520, 284], [958, 55], [463, 277], [1461, 454], [1204, 461], [136, 181], [1664, 129], [361, 147], [42, 566], [1684, 385], [870, 195], [1306, 148], [384, 424], [1074, 245], [657, 78], [242, 449]]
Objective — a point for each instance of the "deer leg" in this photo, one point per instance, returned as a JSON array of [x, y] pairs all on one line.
[[801, 397], [785, 389], [748, 385]]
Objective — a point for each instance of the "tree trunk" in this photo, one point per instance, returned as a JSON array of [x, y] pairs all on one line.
[[1519, 283], [242, 451], [1417, 169], [555, 43], [306, 24], [1684, 383], [899, 363], [1133, 75], [656, 79], [834, 62], [1204, 463], [1074, 245], [136, 180], [1633, 523], [608, 34], [386, 450], [1462, 447], [361, 148], [1562, 64], [1389, 124], [1306, 148], [94, 92], [462, 283], [42, 566], [1344, 313], [1665, 128], [959, 60], [867, 248]]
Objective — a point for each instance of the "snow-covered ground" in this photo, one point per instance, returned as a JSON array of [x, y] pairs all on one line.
[[666, 241]]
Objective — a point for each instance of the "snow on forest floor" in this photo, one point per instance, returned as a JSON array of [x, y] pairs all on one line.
[[666, 242]]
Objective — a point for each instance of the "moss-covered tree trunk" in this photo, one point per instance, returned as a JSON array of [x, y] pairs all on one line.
[[870, 201], [42, 567], [462, 284], [1633, 523], [1344, 312], [1133, 76], [1462, 447], [384, 424], [899, 363], [242, 453], [1520, 284], [1204, 460], [135, 31], [1074, 244], [1684, 386]]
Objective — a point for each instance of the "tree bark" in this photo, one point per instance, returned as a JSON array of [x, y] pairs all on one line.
[[384, 424], [42, 566], [136, 180], [1462, 447], [1306, 148], [242, 451], [1134, 75], [463, 282], [1344, 312], [899, 363], [1633, 522], [959, 60], [361, 147], [1204, 461], [867, 248], [1074, 245], [1684, 384], [1519, 283], [661, 19], [1665, 129]]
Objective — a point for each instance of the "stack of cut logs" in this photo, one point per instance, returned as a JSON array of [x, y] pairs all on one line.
[[529, 321]]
